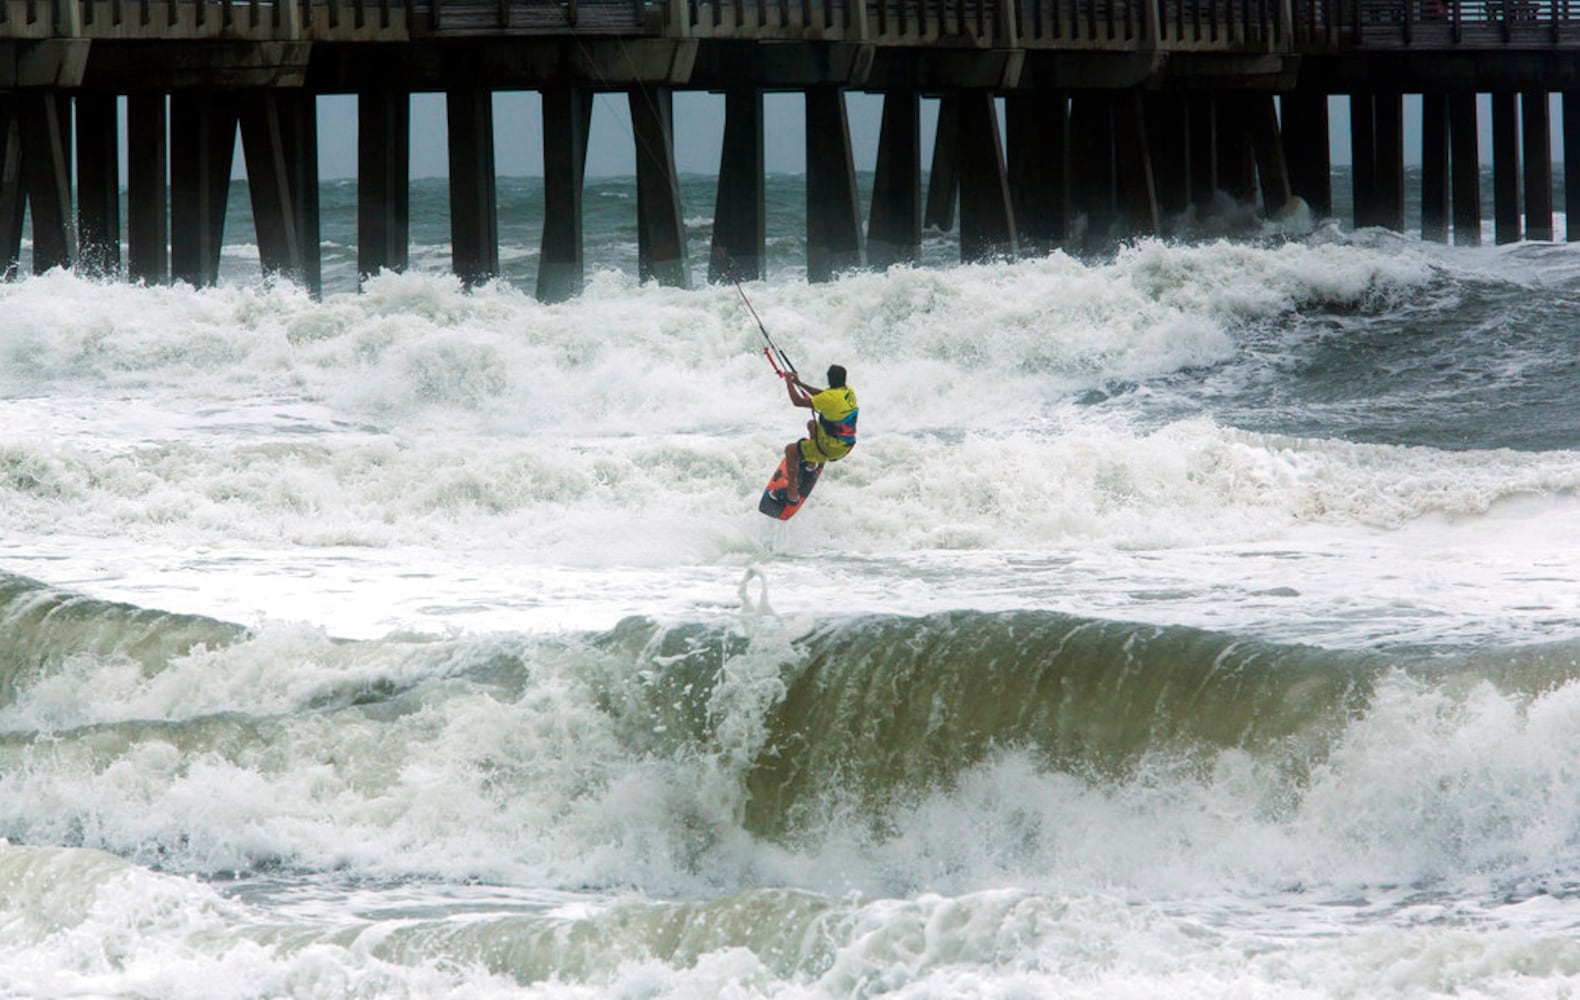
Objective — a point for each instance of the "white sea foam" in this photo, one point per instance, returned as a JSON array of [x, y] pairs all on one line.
[[420, 456], [82, 923], [1429, 844]]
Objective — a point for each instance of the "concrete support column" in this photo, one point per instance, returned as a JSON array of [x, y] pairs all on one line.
[[1304, 121], [1377, 123], [833, 205], [1203, 155], [1434, 167], [1570, 144], [1465, 175], [383, 181], [1363, 146], [1093, 186], [1536, 136], [279, 136], [98, 185], [987, 219], [1235, 154], [1168, 137], [1133, 173], [1272, 169], [13, 196], [943, 180], [1505, 168], [740, 238], [474, 218], [1389, 119], [660, 224], [202, 146], [1111, 166], [303, 165], [894, 230], [567, 120], [1037, 145], [46, 174], [147, 190]]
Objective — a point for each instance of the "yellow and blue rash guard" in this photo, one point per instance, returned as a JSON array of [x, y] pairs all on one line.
[[836, 425]]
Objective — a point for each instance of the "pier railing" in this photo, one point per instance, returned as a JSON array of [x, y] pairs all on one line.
[[1131, 25]]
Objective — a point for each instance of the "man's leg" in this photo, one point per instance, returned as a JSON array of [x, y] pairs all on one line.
[[793, 471]]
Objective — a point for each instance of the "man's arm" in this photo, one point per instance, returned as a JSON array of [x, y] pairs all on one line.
[[800, 393]]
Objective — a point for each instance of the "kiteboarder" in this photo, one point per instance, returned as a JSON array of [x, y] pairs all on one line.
[[830, 435]]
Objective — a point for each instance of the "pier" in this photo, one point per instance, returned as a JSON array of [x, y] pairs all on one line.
[[1062, 123]]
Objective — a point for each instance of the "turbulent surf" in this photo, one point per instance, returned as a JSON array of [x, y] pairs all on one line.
[[1195, 621]]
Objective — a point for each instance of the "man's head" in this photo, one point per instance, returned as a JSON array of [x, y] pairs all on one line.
[[836, 376]]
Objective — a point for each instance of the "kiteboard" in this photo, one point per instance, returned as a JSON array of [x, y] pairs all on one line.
[[773, 502]]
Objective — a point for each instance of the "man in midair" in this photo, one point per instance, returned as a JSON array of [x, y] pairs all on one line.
[[830, 435]]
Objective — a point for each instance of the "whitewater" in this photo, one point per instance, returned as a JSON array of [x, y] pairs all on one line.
[[1200, 620]]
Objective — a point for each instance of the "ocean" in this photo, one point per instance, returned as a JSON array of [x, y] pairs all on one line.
[[1195, 619]]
